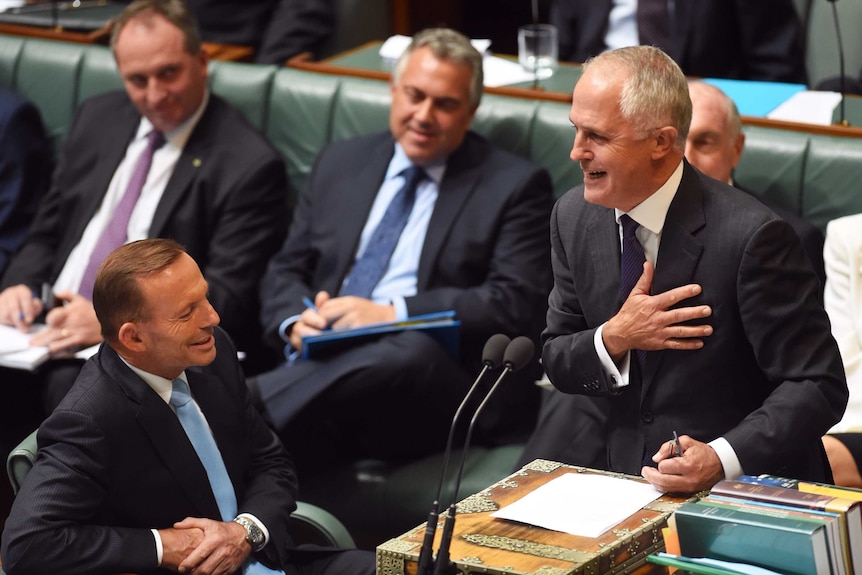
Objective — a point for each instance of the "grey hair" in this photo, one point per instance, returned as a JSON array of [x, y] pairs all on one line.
[[655, 91], [447, 44]]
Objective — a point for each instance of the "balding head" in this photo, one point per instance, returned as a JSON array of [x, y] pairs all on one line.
[[715, 139]]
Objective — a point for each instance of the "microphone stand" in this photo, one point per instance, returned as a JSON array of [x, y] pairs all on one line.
[[491, 358], [518, 354]]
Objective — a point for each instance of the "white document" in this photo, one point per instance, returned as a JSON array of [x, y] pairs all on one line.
[[808, 106], [16, 351], [395, 45], [9, 4], [585, 504]]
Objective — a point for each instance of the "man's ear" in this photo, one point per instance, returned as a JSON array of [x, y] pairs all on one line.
[[130, 338], [665, 141]]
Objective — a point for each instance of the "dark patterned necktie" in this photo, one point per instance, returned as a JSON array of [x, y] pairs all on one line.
[[631, 265], [115, 234], [369, 269], [654, 23]]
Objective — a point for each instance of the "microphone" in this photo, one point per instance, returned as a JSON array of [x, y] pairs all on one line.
[[492, 357], [842, 121], [518, 354]]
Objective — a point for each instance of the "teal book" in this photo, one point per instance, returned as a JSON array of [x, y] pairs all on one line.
[[786, 544], [706, 566], [441, 326]]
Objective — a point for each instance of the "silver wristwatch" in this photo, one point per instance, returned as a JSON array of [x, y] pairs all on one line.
[[253, 533]]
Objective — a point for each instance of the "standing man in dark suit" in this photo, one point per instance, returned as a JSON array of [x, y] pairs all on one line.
[[25, 166], [132, 474], [714, 146], [475, 241], [721, 337], [742, 39], [214, 184]]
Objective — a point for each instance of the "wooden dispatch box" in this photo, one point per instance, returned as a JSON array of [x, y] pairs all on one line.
[[488, 545]]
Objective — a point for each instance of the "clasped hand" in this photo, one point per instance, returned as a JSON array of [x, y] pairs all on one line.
[[204, 546], [646, 321], [338, 312]]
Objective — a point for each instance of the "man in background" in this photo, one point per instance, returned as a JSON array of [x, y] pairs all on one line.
[[164, 158], [25, 167], [741, 39], [157, 461], [474, 240], [714, 146]]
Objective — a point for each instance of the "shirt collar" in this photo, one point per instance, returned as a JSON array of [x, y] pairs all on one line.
[[401, 162], [651, 212], [179, 135], [163, 386]]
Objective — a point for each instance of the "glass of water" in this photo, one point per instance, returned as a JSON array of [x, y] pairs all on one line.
[[537, 49]]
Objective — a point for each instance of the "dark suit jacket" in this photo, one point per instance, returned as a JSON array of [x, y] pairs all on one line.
[[769, 379], [225, 203], [750, 40], [276, 29], [25, 167], [485, 253], [114, 462]]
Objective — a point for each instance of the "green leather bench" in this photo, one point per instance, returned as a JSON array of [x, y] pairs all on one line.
[[813, 175]]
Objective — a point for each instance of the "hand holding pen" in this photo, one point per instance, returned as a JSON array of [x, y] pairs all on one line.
[[685, 465]]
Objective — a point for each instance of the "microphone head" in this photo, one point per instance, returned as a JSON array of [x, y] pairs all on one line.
[[495, 347], [518, 353]]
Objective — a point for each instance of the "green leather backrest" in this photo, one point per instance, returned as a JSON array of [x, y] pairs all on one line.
[[772, 164], [813, 175]]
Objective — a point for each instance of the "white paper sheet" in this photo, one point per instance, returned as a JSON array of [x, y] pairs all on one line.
[[8, 4], [585, 504], [16, 351], [809, 107]]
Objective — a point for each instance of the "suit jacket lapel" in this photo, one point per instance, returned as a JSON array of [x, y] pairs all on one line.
[[459, 181], [161, 425], [679, 252], [195, 154]]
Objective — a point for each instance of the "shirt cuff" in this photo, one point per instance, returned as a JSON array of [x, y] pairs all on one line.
[[284, 327], [728, 458], [160, 550], [400, 306], [619, 374], [260, 525]]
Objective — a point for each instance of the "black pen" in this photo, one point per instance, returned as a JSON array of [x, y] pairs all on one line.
[[676, 450]]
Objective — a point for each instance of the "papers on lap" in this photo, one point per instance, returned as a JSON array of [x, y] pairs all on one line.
[[442, 326], [16, 351]]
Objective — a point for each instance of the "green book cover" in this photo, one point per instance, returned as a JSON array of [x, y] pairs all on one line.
[[786, 544]]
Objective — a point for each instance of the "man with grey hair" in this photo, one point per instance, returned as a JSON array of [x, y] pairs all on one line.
[[474, 240], [681, 305]]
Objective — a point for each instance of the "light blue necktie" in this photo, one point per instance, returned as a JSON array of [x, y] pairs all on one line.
[[372, 265], [202, 440]]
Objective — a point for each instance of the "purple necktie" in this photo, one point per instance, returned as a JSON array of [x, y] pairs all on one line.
[[631, 265], [116, 233], [653, 19], [369, 268]]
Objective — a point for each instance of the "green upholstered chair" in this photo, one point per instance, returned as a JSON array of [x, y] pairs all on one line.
[[309, 523]]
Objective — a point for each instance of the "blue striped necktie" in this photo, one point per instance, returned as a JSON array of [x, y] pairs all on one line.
[[372, 265]]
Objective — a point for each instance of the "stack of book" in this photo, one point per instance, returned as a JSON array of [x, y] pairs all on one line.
[[789, 526]]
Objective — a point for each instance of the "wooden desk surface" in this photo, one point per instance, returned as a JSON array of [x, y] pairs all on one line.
[[483, 544], [93, 32]]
